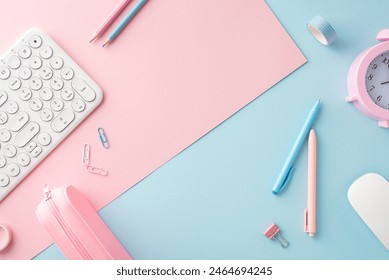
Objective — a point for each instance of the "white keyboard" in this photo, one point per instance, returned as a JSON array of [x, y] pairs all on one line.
[[44, 95]]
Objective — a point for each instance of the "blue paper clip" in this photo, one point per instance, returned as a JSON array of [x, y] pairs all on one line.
[[103, 137]]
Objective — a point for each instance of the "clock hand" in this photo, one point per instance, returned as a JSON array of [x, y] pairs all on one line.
[[387, 82]]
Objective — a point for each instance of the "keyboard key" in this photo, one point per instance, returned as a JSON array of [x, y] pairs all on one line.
[[46, 115], [13, 169], [13, 62], [14, 83], [11, 107], [26, 134], [35, 41], [67, 73], [4, 180], [24, 51], [35, 83], [56, 104], [36, 104], [44, 139], [23, 159], [24, 73], [46, 94], [25, 94], [46, 73], [62, 120], [83, 89], [9, 150], [5, 135], [3, 97], [56, 83], [46, 52], [4, 72], [3, 117], [56, 62], [31, 146], [67, 94], [3, 161], [18, 121], [36, 152], [35, 62], [78, 105]]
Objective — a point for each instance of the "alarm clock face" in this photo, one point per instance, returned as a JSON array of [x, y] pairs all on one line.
[[377, 80]]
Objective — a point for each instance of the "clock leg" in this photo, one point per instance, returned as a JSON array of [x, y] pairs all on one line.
[[383, 123], [351, 99]]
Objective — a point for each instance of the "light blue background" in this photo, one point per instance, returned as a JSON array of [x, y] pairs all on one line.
[[213, 201]]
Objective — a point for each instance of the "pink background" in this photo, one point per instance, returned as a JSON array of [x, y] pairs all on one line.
[[178, 70]]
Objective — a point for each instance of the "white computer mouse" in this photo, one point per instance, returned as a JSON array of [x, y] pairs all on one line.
[[369, 196]]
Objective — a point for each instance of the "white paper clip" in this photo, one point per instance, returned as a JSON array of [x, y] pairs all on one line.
[[97, 170], [103, 137], [85, 154], [273, 232]]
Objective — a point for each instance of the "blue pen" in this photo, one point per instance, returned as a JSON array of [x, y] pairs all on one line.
[[124, 22], [287, 169]]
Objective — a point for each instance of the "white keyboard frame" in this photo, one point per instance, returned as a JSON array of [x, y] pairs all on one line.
[[34, 116]]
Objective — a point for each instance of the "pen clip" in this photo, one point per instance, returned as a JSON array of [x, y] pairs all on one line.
[[306, 220], [287, 178]]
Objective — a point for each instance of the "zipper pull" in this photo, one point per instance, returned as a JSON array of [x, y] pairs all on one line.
[[46, 192]]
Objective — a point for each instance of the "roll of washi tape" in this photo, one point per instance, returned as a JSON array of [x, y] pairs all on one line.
[[5, 236], [322, 30]]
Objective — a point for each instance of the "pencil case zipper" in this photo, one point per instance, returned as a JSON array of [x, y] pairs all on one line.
[[66, 229]]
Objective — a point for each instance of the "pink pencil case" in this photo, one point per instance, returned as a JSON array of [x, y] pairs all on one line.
[[76, 227]]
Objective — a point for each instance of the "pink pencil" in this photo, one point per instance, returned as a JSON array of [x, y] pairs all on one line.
[[110, 19]]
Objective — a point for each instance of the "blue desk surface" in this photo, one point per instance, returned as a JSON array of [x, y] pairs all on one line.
[[213, 201]]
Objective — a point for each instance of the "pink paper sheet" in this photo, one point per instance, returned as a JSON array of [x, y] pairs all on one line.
[[178, 70]]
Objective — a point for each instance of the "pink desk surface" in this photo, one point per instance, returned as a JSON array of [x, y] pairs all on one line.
[[178, 70]]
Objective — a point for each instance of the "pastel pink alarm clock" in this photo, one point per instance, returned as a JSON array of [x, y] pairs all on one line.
[[368, 81]]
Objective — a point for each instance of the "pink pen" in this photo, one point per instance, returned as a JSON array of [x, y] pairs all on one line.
[[310, 212], [110, 19]]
